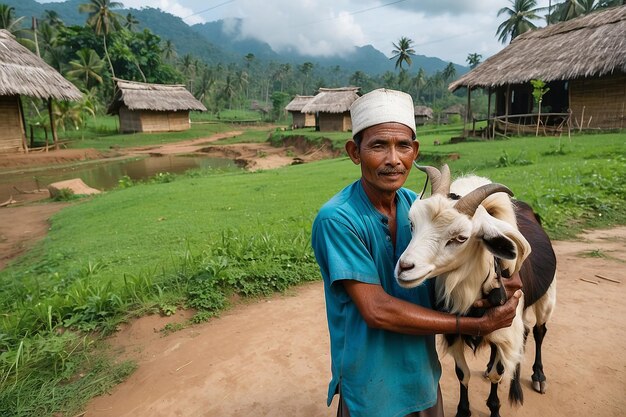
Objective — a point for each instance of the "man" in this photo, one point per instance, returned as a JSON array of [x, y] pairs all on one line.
[[384, 361]]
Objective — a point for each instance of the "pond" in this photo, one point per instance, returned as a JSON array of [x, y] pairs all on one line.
[[105, 175]]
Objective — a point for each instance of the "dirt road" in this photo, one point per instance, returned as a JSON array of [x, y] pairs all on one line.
[[270, 358]]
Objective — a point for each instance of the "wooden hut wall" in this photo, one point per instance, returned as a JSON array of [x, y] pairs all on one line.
[[301, 120], [298, 119], [335, 122], [599, 102], [130, 121], [160, 121], [11, 132]]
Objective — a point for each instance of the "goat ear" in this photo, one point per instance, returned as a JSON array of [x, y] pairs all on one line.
[[501, 239]]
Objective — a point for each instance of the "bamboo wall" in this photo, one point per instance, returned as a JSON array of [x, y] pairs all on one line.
[[152, 121], [335, 122], [301, 120], [11, 132], [598, 102], [130, 121]]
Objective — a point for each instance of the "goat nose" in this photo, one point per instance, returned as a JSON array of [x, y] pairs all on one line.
[[405, 266]]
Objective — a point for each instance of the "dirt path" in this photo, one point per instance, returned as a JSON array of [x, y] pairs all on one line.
[[270, 358]]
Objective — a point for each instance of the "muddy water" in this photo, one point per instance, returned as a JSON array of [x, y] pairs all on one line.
[[105, 175]]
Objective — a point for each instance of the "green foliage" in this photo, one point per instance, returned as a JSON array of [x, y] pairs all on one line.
[[505, 161], [65, 194], [539, 90]]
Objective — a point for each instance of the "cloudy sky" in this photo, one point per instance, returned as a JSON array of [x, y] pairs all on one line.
[[447, 29]]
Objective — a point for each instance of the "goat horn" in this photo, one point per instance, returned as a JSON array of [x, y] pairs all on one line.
[[470, 202], [440, 180]]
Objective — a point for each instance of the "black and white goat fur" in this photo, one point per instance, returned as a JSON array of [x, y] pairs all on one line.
[[462, 235]]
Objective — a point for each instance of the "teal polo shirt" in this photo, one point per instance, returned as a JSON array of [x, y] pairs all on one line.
[[381, 373]]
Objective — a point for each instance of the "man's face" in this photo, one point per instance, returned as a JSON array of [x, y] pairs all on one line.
[[386, 154]]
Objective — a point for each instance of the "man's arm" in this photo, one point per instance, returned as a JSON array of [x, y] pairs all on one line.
[[383, 311]]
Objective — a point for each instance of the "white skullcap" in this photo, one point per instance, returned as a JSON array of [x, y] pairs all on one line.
[[382, 106]]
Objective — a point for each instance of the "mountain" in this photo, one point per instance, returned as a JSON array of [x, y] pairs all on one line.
[[212, 43], [364, 58]]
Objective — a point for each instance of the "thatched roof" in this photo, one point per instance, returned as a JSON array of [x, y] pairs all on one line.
[[157, 97], [298, 103], [455, 109], [424, 111], [591, 45], [332, 100], [24, 73]]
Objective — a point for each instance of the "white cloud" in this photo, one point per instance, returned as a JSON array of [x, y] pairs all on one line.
[[308, 26], [172, 7]]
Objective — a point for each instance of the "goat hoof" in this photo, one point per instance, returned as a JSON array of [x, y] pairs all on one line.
[[540, 387]]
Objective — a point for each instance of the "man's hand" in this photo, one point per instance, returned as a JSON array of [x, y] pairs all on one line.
[[498, 317], [511, 285]]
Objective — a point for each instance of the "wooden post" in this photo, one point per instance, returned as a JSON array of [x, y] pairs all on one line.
[[468, 110], [45, 132], [53, 130], [506, 108], [20, 109], [32, 137], [488, 109]]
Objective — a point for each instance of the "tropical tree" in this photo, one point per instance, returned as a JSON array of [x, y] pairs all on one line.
[[52, 18], [131, 22], [87, 67], [207, 80], [519, 19], [473, 59], [449, 73], [169, 51], [103, 20], [403, 52], [8, 20], [419, 81], [305, 69]]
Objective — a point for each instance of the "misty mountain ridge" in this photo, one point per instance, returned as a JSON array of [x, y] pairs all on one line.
[[213, 42]]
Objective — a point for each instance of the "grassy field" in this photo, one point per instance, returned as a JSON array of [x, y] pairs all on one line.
[[194, 240]]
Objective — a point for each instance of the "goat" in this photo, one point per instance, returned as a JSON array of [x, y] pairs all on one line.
[[463, 244]]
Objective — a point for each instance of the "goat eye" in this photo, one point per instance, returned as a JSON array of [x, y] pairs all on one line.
[[457, 240]]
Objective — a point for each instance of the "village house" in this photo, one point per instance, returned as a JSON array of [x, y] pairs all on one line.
[[423, 114], [583, 63], [300, 119], [144, 107], [332, 107], [23, 73]]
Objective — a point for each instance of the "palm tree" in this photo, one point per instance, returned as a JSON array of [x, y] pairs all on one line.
[[207, 80], [403, 52], [519, 19], [449, 73], [52, 18], [87, 67], [169, 51], [305, 69], [419, 82], [103, 20], [8, 20], [131, 22], [473, 59]]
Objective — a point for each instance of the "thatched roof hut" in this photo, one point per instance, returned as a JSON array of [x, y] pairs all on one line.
[[332, 105], [144, 107], [300, 119], [24, 73], [581, 60], [422, 115]]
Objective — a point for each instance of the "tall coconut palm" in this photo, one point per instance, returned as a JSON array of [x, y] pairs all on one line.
[[103, 20], [403, 52], [87, 67], [519, 19], [473, 59], [449, 73], [52, 18], [8, 20], [131, 22], [419, 81], [169, 51]]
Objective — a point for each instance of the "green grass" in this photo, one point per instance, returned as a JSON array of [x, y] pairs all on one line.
[[197, 239]]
